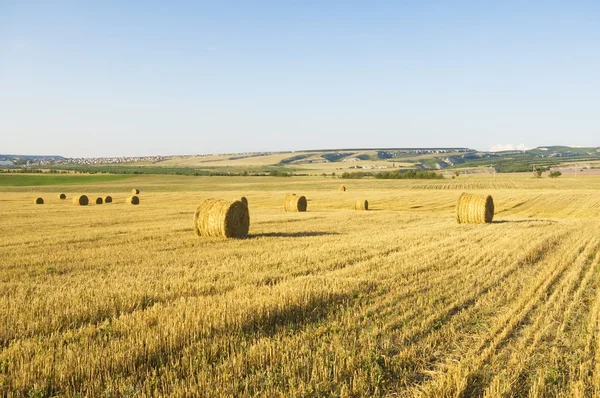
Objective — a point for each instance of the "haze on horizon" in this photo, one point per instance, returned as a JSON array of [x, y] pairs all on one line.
[[145, 78]]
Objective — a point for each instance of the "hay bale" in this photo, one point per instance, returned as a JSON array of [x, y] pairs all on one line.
[[135, 191], [133, 200], [80, 200], [361, 205], [39, 201], [244, 200], [62, 196], [293, 202], [474, 209], [99, 201], [342, 188], [215, 217], [108, 199]]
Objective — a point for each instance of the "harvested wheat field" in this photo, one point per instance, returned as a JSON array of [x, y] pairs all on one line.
[[400, 300]]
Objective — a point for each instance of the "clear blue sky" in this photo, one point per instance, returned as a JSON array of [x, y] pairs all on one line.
[[119, 78]]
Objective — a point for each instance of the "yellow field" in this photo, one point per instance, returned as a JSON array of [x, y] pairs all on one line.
[[120, 300]]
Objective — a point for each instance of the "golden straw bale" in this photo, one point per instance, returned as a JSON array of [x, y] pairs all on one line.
[[39, 201], [80, 200], [244, 200], [99, 201], [62, 196], [286, 201], [342, 188], [361, 205], [474, 209], [133, 200], [135, 191], [108, 199], [293, 202], [221, 218]]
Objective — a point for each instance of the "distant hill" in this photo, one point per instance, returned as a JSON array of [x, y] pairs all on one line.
[[326, 161], [29, 157]]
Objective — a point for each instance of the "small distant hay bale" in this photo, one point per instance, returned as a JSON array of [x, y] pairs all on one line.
[[39, 201], [133, 200], [81, 200], [361, 205], [221, 218], [342, 188], [293, 202], [474, 209], [99, 201], [244, 200], [108, 199], [62, 196], [135, 191]]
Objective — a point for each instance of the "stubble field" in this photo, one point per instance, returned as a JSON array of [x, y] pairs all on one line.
[[121, 300]]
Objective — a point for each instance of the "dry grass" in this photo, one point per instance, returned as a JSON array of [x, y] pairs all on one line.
[[81, 200], [397, 301], [221, 218]]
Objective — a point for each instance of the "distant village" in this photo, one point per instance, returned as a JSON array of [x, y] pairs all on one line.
[[55, 161]]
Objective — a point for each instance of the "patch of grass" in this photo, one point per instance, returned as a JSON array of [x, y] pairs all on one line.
[[20, 180]]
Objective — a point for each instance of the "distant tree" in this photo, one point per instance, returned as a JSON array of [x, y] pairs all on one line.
[[538, 173], [554, 174]]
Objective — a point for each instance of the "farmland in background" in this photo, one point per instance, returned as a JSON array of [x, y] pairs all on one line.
[[120, 300]]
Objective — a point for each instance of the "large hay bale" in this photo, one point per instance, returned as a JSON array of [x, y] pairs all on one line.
[[99, 201], [62, 196], [293, 202], [108, 199], [135, 191], [215, 217], [80, 200], [361, 205], [39, 201], [474, 209], [133, 200], [342, 188], [244, 200]]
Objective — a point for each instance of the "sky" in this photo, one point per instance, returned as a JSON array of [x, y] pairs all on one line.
[[136, 78]]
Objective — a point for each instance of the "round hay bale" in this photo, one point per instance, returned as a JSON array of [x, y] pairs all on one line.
[[474, 209], [293, 202], [99, 201], [342, 188], [244, 200], [108, 199], [361, 205], [215, 217], [133, 200], [38, 201], [135, 191], [80, 200], [62, 196]]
